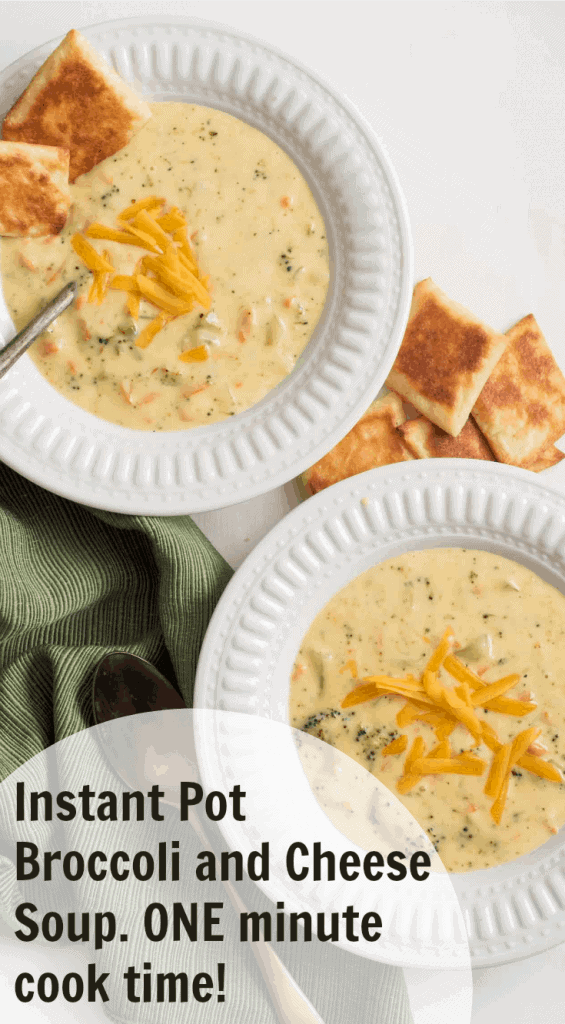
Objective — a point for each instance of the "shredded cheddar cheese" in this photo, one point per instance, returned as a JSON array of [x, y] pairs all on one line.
[[88, 254], [145, 337], [443, 749], [161, 297], [442, 650], [123, 283], [194, 355], [460, 765], [351, 667], [132, 305], [112, 235], [396, 746], [144, 222], [169, 278], [149, 203], [492, 690], [172, 220], [444, 708], [498, 771]]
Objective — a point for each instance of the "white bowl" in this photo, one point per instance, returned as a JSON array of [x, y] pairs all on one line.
[[69, 451], [511, 911]]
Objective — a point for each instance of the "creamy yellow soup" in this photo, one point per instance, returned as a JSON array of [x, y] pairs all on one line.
[[387, 621], [255, 230]]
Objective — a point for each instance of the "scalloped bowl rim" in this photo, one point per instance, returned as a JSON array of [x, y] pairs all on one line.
[[416, 505], [124, 470]]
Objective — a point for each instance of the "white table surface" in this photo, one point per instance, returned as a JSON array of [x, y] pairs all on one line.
[[469, 99]]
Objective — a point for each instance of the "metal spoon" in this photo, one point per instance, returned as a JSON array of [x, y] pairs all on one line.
[[127, 685], [20, 344]]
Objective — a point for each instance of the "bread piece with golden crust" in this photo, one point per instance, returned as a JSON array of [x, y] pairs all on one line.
[[75, 100], [521, 409], [426, 441], [34, 189], [373, 441], [546, 459], [445, 359]]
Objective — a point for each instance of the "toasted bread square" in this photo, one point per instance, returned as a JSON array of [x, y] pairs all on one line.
[[521, 409], [373, 441], [76, 101], [34, 189], [545, 460], [445, 358], [426, 441]]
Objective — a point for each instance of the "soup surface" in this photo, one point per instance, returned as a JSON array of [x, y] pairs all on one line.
[[505, 620], [255, 230]]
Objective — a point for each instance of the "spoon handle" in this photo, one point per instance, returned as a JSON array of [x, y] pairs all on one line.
[[290, 1003], [18, 345]]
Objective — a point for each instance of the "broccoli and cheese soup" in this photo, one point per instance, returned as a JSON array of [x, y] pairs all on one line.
[[443, 673], [200, 196]]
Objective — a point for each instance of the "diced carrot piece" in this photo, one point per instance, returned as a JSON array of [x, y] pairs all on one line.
[[49, 348], [126, 389]]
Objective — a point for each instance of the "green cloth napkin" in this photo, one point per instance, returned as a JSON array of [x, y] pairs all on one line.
[[76, 583]]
